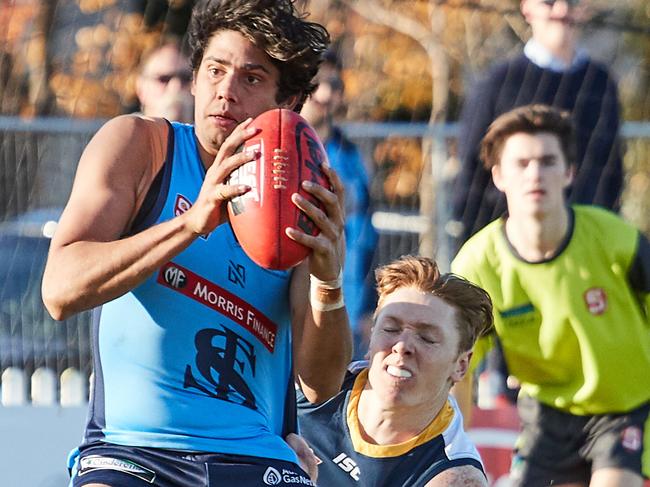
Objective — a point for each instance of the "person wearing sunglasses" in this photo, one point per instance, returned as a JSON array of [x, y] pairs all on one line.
[[163, 85]]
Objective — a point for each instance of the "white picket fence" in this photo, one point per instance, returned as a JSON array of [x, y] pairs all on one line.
[[41, 420], [43, 388]]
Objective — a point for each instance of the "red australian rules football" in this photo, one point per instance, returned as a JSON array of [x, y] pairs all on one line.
[[291, 153]]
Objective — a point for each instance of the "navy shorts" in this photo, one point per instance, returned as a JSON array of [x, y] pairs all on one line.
[[126, 466], [557, 447]]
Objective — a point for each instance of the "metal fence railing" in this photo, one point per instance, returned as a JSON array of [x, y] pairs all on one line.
[[38, 160]]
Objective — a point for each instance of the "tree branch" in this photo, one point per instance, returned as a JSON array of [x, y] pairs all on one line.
[[401, 23]]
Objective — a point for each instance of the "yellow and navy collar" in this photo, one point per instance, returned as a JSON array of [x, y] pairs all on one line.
[[435, 428]]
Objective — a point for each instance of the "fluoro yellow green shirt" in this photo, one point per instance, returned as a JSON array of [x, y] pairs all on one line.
[[574, 328]]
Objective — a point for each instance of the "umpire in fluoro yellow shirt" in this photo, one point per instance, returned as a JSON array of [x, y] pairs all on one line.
[[570, 287]]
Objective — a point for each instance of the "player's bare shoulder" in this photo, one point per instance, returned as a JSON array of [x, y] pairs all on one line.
[[114, 171], [462, 476], [131, 140], [124, 156]]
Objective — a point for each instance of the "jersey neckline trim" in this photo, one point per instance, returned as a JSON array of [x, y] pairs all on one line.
[[437, 426], [558, 252]]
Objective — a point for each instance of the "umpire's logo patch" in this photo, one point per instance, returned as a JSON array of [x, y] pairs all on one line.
[[596, 300], [97, 462]]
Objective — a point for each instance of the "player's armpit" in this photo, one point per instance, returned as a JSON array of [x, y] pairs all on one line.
[[463, 476]]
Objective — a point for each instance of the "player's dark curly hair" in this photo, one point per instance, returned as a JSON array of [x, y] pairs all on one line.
[[529, 119], [294, 45], [472, 304]]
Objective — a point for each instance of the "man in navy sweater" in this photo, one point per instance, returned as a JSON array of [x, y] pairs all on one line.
[[553, 71]]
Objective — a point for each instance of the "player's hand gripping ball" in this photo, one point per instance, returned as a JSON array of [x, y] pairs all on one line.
[[290, 153]]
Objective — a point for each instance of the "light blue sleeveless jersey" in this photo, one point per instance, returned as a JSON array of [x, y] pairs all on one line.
[[198, 357]]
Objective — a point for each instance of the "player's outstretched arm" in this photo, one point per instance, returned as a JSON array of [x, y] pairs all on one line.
[[465, 475], [89, 262], [322, 337]]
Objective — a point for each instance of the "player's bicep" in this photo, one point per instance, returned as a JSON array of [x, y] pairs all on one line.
[[104, 192]]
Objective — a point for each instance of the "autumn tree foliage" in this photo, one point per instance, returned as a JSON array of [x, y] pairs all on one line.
[[414, 60]]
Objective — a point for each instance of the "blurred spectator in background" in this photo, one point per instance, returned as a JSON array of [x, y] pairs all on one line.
[[321, 109], [554, 71], [82, 56], [163, 85]]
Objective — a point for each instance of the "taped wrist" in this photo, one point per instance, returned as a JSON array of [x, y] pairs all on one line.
[[326, 295]]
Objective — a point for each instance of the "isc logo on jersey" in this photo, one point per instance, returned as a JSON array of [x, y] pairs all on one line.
[[348, 465]]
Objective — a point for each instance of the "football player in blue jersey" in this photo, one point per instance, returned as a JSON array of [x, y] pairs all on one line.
[[195, 346], [393, 422]]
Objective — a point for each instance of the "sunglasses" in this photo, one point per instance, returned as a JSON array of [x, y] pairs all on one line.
[[570, 3], [183, 76]]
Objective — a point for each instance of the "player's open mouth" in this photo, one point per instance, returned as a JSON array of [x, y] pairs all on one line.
[[399, 372]]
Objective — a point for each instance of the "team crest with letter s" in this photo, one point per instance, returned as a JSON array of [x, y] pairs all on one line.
[[596, 300]]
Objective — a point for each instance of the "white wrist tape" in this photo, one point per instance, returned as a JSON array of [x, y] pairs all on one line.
[[330, 285], [326, 295]]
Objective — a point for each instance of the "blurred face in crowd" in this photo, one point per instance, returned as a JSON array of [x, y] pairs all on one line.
[[325, 102], [163, 86], [234, 81], [553, 22], [533, 173], [413, 351]]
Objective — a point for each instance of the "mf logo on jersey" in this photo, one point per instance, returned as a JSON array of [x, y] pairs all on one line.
[[175, 277], [596, 300]]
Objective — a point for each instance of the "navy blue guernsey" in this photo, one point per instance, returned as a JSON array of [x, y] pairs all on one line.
[[197, 357], [332, 430]]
